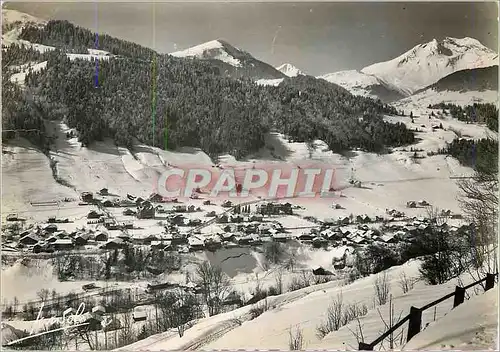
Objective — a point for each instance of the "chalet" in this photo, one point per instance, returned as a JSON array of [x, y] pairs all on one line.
[[149, 239], [411, 204], [139, 313], [178, 239], [329, 221], [81, 240], [145, 211], [213, 243], [155, 198], [319, 242], [222, 219], [389, 238], [62, 244], [423, 203], [37, 248], [194, 222], [210, 214], [357, 239], [256, 239], [227, 204], [114, 244], [227, 236], [345, 220], [126, 203], [206, 202], [29, 240], [127, 225], [124, 237], [236, 218], [88, 287], [87, 197], [177, 220], [111, 224], [245, 240], [130, 197], [108, 204], [103, 192], [150, 288], [280, 237], [336, 206], [264, 229], [180, 208], [456, 216], [318, 270], [159, 244], [191, 208], [101, 237], [93, 215], [139, 200], [12, 217], [255, 217], [305, 237], [52, 219], [50, 228]]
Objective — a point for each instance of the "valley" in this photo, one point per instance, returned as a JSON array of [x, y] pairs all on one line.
[[83, 221]]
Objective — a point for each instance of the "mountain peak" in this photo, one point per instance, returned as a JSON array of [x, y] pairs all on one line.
[[289, 70], [230, 59], [427, 63]]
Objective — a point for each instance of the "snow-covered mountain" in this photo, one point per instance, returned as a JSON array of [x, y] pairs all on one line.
[[231, 60], [289, 70], [359, 83], [466, 87], [427, 63]]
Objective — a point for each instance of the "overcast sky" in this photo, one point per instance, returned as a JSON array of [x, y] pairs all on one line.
[[316, 37]]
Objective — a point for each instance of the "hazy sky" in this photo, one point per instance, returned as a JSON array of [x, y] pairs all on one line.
[[316, 37]]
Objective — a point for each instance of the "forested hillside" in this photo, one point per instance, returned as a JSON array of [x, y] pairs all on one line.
[[189, 102]]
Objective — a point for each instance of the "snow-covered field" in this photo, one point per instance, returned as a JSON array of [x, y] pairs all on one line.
[[306, 309]]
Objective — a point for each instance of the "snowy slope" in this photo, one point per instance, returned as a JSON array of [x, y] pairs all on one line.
[[289, 70], [471, 326], [305, 309], [362, 84], [427, 63]]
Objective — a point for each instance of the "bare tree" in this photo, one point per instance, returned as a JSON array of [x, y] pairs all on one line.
[[278, 278], [382, 287], [127, 334], [479, 201], [43, 294], [215, 285], [405, 282], [296, 339]]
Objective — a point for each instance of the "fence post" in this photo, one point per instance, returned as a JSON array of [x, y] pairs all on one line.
[[415, 322], [490, 281], [365, 347], [459, 296]]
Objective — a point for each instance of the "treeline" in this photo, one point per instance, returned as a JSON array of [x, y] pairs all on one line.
[[179, 102], [482, 113], [75, 39], [482, 154]]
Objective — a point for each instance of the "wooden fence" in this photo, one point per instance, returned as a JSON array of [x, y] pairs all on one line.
[[414, 318]]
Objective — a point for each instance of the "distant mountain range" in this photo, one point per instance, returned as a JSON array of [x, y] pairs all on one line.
[[417, 69]]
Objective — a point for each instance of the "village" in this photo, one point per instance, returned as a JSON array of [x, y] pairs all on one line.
[[179, 226]]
